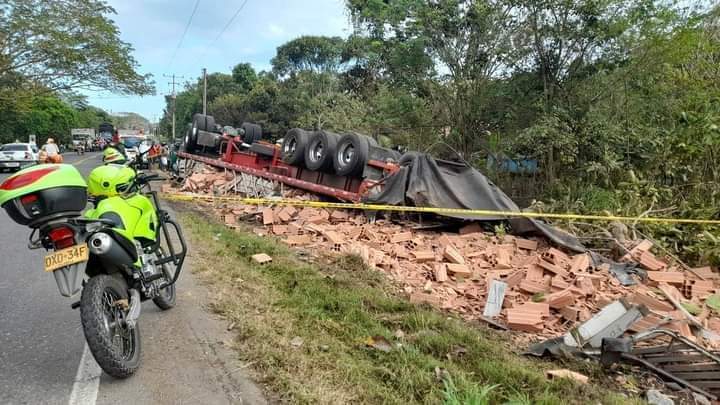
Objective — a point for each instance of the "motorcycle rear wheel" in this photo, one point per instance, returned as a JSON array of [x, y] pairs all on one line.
[[116, 348]]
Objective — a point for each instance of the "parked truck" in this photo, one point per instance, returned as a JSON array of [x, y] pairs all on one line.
[[82, 139]]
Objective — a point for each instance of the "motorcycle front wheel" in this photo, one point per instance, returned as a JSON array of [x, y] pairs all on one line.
[[103, 308], [166, 299]]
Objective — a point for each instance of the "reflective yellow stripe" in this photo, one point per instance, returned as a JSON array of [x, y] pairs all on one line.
[[450, 211]]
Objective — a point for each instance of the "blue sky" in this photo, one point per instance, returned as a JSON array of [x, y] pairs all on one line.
[[154, 28]]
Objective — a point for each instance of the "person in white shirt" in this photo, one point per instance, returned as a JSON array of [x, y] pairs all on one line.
[[52, 151]]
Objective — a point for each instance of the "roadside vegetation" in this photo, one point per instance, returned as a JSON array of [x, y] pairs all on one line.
[[333, 332], [616, 101]]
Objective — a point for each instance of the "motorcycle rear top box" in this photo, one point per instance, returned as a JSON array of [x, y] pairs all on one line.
[[39, 194]]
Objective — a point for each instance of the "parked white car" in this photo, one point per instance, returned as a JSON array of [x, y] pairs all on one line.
[[16, 156]]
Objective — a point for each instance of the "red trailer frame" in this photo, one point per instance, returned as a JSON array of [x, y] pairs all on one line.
[[235, 156]]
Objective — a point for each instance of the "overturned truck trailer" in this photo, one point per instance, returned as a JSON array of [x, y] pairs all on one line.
[[353, 167]]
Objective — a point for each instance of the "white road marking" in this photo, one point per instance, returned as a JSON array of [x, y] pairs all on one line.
[[87, 380]]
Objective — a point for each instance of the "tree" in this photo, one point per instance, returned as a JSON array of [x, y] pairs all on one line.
[[309, 53], [244, 75], [448, 50], [63, 45], [48, 117]]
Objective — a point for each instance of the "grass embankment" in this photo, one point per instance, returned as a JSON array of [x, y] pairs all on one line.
[[304, 328]]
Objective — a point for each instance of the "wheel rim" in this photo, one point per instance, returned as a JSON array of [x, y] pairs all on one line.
[[168, 292], [121, 336], [346, 154], [316, 152], [290, 146]]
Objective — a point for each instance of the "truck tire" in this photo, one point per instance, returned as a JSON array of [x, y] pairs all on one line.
[[190, 140], [204, 123], [321, 150], [351, 154], [251, 132], [210, 124], [294, 145]]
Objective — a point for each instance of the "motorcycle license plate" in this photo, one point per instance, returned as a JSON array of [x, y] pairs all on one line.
[[66, 257]]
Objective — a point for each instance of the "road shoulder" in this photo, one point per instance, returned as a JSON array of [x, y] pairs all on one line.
[[187, 356]]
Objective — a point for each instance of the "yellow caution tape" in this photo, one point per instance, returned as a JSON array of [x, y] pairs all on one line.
[[434, 210]]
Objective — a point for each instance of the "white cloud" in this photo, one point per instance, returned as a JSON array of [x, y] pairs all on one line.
[[276, 30], [153, 27]]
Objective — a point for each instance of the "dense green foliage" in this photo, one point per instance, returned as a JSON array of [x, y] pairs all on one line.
[[48, 50], [617, 100]]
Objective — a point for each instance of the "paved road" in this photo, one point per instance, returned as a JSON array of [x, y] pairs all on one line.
[[41, 340]]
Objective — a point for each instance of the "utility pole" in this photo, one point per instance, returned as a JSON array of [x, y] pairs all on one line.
[[174, 99], [204, 91]]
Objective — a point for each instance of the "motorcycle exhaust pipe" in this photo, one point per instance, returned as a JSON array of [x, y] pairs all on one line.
[[108, 250]]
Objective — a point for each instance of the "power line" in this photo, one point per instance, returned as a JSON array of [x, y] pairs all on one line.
[[225, 28], [182, 37]]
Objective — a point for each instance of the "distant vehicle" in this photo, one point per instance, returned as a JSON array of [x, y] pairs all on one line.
[[132, 144], [83, 139], [15, 156], [105, 132]]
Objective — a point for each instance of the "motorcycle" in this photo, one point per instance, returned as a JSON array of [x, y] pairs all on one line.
[[122, 251]]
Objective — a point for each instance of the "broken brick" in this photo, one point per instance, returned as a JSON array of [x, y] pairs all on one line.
[[261, 258], [534, 273], [459, 269], [268, 217], [452, 255], [570, 313], [539, 307], [515, 278], [682, 327], [706, 273], [298, 240], [579, 263], [279, 229], [650, 262], [553, 268], [560, 299], [283, 216], [524, 320], [401, 237], [502, 259], [424, 256], [702, 288], [532, 287], [440, 273], [556, 257], [651, 303], [671, 277], [526, 244], [339, 215]]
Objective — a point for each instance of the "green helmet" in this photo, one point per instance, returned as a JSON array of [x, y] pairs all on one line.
[[110, 180], [112, 155]]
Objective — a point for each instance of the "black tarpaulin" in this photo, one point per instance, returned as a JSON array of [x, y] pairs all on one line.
[[425, 182]]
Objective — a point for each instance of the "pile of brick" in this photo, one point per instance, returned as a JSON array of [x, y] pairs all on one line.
[[543, 291], [547, 291], [206, 180]]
